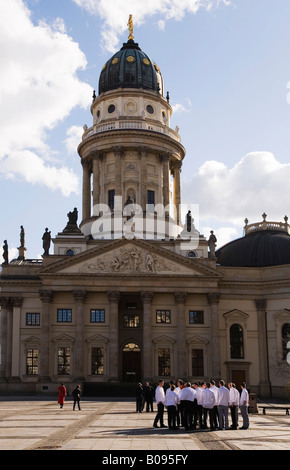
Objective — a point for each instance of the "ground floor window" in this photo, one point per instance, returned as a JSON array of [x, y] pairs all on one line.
[[63, 361], [97, 361], [32, 361], [164, 362], [197, 362]]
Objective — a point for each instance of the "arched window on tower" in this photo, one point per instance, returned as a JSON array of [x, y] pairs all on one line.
[[236, 341], [285, 339]]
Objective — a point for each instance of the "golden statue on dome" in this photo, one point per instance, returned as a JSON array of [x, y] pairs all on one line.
[[130, 26]]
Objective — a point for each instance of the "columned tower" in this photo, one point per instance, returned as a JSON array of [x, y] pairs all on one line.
[[130, 152]]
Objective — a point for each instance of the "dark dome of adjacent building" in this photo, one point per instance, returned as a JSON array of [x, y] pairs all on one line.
[[130, 68], [257, 249]]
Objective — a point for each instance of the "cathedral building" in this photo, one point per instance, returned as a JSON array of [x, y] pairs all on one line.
[[132, 291]]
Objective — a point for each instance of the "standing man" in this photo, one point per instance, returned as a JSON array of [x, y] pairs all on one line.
[[77, 397], [160, 402], [214, 388], [208, 402], [148, 396], [187, 397], [139, 397], [223, 405], [234, 404], [244, 403]]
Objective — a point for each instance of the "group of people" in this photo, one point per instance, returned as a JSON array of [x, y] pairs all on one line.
[[202, 405], [76, 394]]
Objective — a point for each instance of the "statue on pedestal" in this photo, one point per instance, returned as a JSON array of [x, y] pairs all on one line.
[[5, 252], [212, 245], [22, 248], [72, 226], [46, 242]]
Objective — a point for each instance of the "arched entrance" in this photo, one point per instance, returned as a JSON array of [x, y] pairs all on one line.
[[131, 362]]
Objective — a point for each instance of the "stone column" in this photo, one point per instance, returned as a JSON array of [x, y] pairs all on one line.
[[15, 366], [79, 296], [265, 386], [213, 300], [46, 297], [113, 298], [143, 152], [176, 188], [146, 298], [96, 177], [5, 311], [165, 170], [118, 152], [180, 299], [86, 189]]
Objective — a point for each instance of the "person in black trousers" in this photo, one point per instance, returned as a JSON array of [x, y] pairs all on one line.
[[77, 397], [139, 398], [148, 396]]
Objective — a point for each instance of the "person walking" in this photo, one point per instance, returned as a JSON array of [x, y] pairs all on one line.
[[234, 404], [171, 403], [208, 403], [77, 397], [160, 402], [223, 405], [61, 394], [244, 403], [148, 397]]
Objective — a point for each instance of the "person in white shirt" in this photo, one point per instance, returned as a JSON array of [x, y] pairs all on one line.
[[223, 405], [244, 403], [199, 390], [187, 397], [208, 403], [234, 404], [171, 402], [214, 388], [160, 402], [179, 416]]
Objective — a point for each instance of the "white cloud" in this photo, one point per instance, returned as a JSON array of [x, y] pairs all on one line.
[[38, 89], [74, 137], [181, 108], [226, 196], [115, 13]]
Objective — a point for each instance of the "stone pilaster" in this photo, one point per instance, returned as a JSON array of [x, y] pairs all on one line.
[[5, 312], [79, 297], [180, 299], [16, 317], [265, 386], [165, 171], [176, 170], [213, 300], [146, 298], [46, 297], [118, 152], [143, 152], [96, 177], [113, 297], [86, 189]]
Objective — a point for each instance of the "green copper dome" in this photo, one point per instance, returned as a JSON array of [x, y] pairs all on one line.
[[130, 68]]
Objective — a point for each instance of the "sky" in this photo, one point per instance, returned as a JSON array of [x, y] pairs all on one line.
[[226, 65]]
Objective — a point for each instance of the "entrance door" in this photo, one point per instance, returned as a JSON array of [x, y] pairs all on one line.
[[238, 376], [131, 358]]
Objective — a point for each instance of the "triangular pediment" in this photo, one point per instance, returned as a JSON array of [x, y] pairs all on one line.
[[131, 258]]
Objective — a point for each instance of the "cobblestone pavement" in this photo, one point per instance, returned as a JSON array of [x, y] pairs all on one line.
[[111, 425]]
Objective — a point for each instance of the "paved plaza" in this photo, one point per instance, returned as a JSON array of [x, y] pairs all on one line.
[[106, 424]]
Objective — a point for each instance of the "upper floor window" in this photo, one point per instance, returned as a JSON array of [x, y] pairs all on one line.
[[196, 317], [131, 321], [63, 361], [236, 341], [32, 319], [163, 316], [150, 197], [97, 316], [64, 315]]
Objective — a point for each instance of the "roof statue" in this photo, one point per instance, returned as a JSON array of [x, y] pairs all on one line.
[[130, 26]]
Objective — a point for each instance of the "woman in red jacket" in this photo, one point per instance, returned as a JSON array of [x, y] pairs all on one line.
[[61, 394]]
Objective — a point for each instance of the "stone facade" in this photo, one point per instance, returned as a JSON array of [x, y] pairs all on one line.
[[127, 308]]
